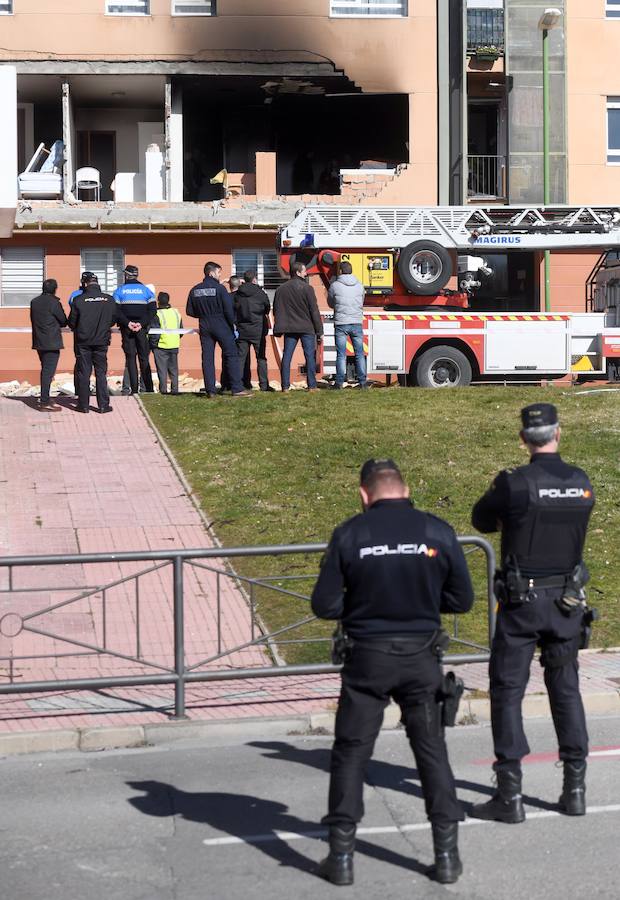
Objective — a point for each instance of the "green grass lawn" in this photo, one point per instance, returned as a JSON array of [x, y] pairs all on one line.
[[284, 469]]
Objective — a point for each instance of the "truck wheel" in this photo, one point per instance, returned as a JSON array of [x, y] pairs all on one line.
[[442, 367], [425, 267]]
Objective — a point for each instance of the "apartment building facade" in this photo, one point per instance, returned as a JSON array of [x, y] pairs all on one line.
[[166, 132]]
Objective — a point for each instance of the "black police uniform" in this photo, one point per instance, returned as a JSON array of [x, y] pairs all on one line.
[[543, 510], [212, 305], [92, 316], [388, 574]]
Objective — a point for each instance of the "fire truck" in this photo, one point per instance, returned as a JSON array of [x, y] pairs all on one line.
[[417, 329]]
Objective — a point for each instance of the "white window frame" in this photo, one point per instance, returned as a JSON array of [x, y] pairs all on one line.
[[260, 265], [9, 11], [334, 14], [32, 292], [174, 3], [136, 13], [612, 10], [88, 267], [612, 103]]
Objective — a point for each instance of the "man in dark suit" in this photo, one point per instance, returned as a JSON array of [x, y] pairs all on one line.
[[47, 317]]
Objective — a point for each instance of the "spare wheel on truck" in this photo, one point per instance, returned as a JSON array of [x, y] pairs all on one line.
[[425, 267]]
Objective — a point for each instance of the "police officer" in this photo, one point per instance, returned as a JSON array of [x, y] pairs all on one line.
[[92, 316], [542, 510], [212, 305], [85, 278], [388, 573], [137, 311]]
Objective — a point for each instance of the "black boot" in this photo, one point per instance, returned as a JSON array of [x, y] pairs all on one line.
[[573, 799], [448, 865], [506, 804], [337, 867]]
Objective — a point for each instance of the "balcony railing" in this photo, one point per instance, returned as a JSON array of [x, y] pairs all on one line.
[[486, 177], [485, 28]]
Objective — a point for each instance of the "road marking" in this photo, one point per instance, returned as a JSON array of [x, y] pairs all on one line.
[[386, 829], [553, 756]]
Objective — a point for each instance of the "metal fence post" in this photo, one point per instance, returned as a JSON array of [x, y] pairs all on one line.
[[179, 638]]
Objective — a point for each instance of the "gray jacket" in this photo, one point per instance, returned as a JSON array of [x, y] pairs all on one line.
[[346, 298]]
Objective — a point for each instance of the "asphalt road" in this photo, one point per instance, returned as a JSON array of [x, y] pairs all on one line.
[[193, 821]]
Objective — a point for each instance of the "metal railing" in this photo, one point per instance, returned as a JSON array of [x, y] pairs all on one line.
[[486, 177], [178, 671], [485, 28]]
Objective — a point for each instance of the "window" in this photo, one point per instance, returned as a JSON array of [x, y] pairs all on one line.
[[613, 129], [107, 265], [6, 7], [193, 7], [263, 262], [21, 275], [394, 8], [127, 7], [612, 9]]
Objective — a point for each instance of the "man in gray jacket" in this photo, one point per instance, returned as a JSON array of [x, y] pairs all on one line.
[[346, 298]]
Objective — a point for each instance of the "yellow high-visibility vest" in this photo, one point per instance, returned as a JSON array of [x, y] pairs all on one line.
[[169, 318]]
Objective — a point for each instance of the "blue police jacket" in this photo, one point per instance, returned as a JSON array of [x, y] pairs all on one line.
[[135, 303]]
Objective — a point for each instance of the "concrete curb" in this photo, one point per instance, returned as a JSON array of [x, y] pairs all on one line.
[[471, 712]]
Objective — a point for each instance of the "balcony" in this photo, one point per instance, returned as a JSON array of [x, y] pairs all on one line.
[[486, 180], [485, 33]]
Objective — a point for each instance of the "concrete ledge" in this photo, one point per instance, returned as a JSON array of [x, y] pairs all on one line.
[[169, 732], [112, 737], [471, 712], [38, 741]]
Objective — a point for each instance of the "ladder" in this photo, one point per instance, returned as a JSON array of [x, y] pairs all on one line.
[[454, 227]]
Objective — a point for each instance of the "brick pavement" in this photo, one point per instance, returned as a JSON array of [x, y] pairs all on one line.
[[51, 503]]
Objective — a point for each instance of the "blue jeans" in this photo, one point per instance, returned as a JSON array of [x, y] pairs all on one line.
[[308, 343], [356, 333]]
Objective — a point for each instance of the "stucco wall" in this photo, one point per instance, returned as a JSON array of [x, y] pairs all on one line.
[[173, 263], [593, 74]]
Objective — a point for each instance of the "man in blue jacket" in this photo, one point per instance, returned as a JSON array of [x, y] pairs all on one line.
[[212, 305], [137, 310]]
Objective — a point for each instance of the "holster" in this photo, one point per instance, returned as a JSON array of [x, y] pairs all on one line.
[[590, 615], [452, 688], [342, 646]]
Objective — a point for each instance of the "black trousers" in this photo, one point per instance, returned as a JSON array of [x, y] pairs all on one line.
[[89, 357], [216, 330], [260, 351], [519, 630], [49, 362], [136, 343], [167, 364], [369, 679]]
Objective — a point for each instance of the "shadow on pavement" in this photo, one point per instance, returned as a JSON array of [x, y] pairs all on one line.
[[388, 776], [254, 820]]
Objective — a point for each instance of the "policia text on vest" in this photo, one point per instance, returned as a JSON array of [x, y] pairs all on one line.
[[387, 575], [543, 510]]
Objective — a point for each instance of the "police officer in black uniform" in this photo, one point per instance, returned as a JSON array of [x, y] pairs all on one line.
[[92, 316], [387, 574], [542, 510]]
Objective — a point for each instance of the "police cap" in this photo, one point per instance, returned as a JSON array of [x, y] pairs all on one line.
[[132, 271], [372, 466], [88, 276], [539, 414]]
